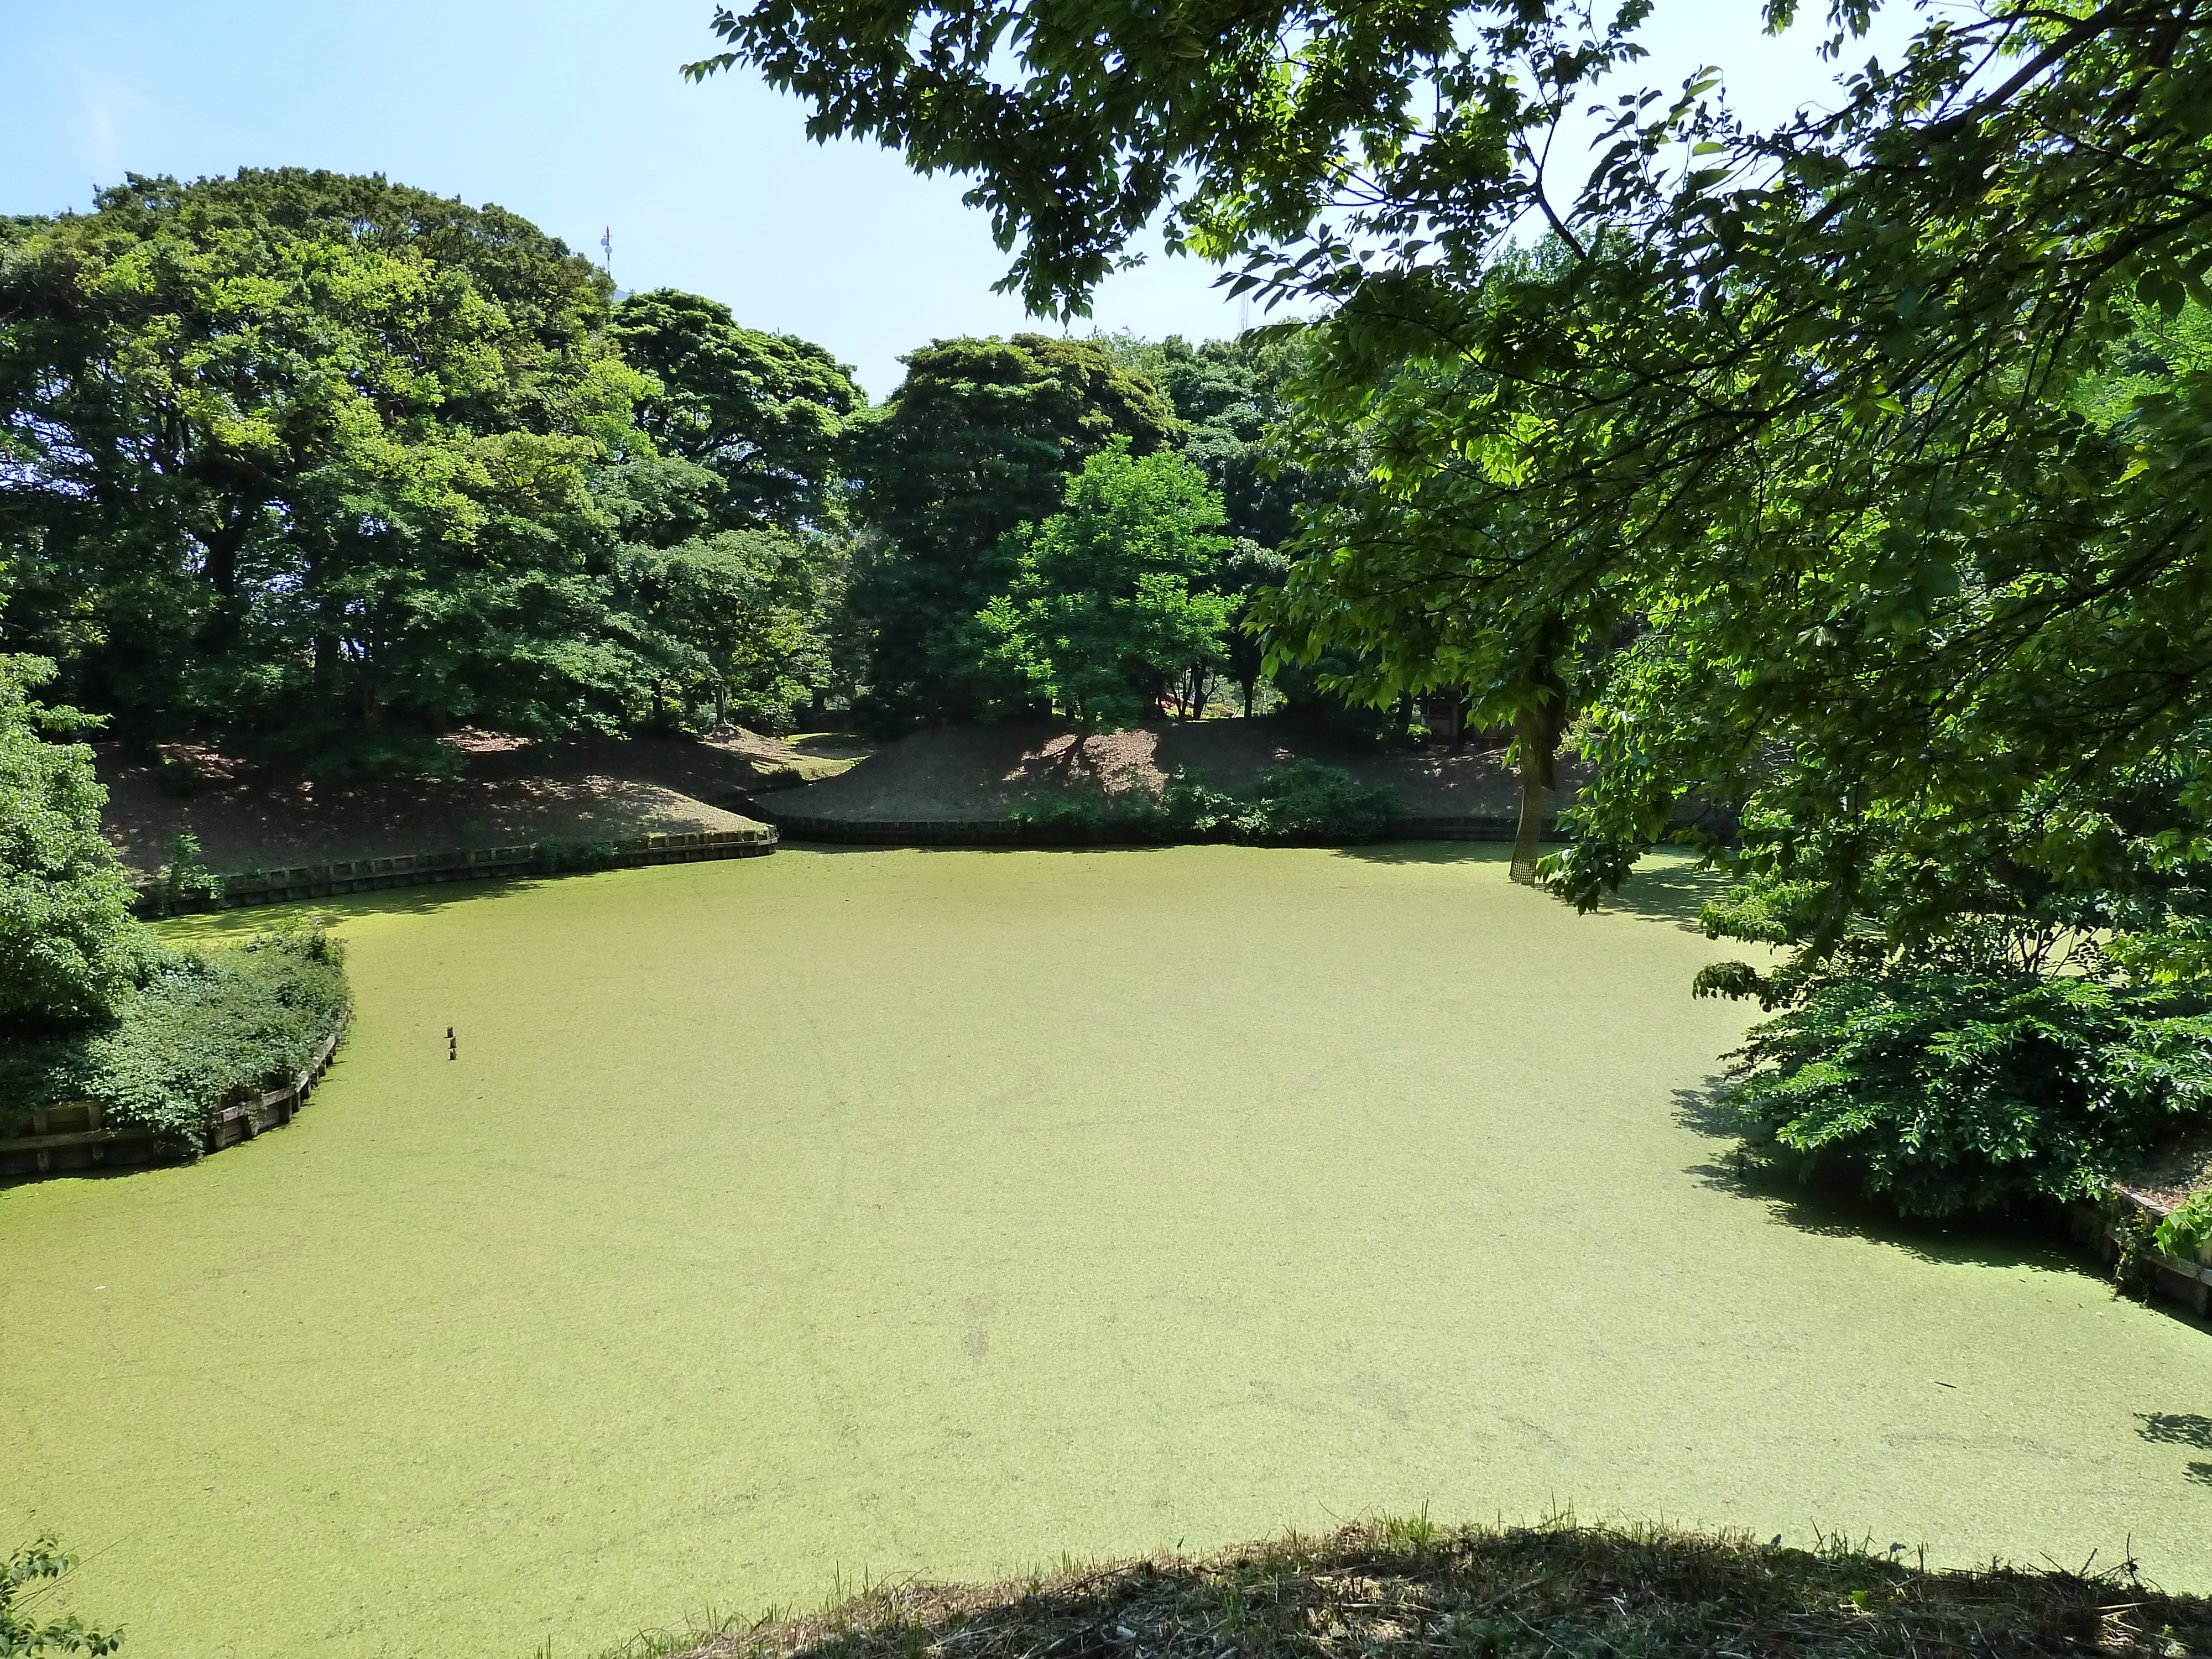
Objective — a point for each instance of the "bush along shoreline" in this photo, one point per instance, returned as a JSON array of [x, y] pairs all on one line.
[[94, 1008], [202, 1029], [1305, 804]]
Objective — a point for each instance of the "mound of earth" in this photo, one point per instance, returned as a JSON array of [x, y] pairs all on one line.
[[507, 791], [980, 772], [1411, 1590]]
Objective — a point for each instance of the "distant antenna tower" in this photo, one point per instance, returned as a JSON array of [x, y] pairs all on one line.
[[1244, 313], [607, 247]]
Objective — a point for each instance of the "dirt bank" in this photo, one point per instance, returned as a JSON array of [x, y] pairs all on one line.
[[507, 791], [980, 772]]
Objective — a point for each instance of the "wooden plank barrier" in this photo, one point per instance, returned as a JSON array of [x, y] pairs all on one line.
[[56, 1146], [2188, 1283]]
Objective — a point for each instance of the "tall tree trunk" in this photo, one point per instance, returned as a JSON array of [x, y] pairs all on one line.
[[1529, 728], [221, 546], [1538, 726]]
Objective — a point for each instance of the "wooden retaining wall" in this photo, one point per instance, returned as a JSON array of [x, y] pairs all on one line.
[[2188, 1283], [342, 876], [72, 1137]]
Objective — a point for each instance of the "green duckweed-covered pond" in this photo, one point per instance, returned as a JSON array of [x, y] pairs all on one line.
[[860, 1213]]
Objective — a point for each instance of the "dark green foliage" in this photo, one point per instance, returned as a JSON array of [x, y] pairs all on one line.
[[1230, 395], [1947, 1092], [69, 947], [1305, 804], [322, 467], [1064, 815], [735, 623], [981, 436], [23, 1634], [184, 880], [558, 857], [203, 1027], [766, 414]]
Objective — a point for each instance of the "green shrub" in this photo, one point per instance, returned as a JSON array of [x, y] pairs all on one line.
[[184, 878], [69, 946], [1309, 804], [1194, 808], [2188, 1228], [202, 1029], [1943, 1092], [557, 856], [1060, 814], [1304, 804], [25, 1636]]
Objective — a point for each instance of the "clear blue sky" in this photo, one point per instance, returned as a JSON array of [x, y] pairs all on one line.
[[573, 115]]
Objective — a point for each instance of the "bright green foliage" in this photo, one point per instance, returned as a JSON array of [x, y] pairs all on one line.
[[203, 1027], [1077, 126], [69, 948], [766, 413], [743, 614], [25, 1636], [1230, 395], [304, 459], [1105, 608], [2187, 1229], [2023, 1016], [980, 436], [1945, 1093]]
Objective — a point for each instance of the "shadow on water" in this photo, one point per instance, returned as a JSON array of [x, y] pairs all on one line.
[[2188, 1429], [1666, 887], [1831, 1211], [216, 925]]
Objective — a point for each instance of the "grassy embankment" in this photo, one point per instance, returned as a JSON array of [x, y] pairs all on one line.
[[895, 1211], [1408, 1589]]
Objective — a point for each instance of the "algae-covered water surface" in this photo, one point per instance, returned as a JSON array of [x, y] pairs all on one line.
[[860, 1213]]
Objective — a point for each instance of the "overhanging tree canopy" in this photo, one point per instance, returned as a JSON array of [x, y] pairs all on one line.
[[1805, 402]]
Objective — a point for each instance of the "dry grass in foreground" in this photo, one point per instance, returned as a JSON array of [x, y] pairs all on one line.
[[1405, 1589]]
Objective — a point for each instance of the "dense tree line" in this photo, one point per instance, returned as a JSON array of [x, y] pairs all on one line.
[[323, 468]]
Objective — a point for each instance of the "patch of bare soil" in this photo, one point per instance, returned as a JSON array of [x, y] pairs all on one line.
[[507, 793], [2169, 1180], [980, 773]]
